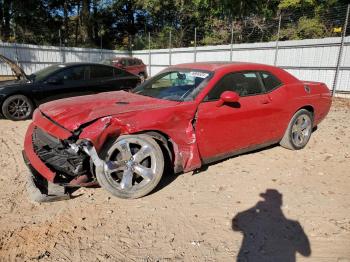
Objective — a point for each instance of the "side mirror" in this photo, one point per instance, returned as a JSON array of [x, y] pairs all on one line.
[[54, 81], [228, 97]]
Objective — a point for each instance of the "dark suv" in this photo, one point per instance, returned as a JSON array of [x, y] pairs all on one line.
[[130, 64]]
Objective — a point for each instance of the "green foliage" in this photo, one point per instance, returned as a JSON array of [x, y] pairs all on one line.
[[306, 28], [125, 24]]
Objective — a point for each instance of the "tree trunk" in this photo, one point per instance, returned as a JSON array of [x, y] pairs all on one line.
[[5, 22], [85, 22], [66, 29], [77, 24]]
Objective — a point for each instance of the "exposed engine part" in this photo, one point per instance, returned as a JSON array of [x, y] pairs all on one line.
[[64, 158]]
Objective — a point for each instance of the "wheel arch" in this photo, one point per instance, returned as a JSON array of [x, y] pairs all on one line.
[[309, 108], [169, 147], [164, 141]]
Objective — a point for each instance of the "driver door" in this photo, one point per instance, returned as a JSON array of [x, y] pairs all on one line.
[[230, 128]]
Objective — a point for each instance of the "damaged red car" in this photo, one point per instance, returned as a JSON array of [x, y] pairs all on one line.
[[185, 117]]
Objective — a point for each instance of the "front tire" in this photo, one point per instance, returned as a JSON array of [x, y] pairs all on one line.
[[140, 164], [17, 107], [299, 130]]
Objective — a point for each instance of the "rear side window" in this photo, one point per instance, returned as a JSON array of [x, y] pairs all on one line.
[[76, 73], [270, 81], [245, 84], [98, 72]]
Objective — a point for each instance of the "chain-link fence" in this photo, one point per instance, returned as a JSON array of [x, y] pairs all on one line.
[[286, 25]]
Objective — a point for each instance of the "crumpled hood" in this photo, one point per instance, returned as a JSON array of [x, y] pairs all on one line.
[[71, 113]]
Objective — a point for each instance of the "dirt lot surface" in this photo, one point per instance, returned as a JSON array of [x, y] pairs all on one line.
[[190, 218]]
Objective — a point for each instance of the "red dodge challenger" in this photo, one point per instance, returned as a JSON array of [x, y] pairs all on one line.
[[186, 116]]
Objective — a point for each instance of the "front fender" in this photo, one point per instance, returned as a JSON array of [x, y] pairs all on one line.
[[99, 131]]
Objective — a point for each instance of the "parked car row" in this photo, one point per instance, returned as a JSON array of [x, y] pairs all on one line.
[[19, 98], [185, 117]]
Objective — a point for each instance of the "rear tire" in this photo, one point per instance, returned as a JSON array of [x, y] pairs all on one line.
[[17, 107], [299, 130]]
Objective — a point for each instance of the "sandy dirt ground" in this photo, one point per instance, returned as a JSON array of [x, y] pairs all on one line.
[[209, 216]]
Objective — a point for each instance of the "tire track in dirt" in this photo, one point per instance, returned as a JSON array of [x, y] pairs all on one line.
[[190, 219]]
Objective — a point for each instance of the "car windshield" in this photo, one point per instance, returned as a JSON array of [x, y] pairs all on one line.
[[175, 85], [44, 73]]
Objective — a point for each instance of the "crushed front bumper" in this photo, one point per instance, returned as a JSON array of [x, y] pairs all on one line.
[[41, 190], [32, 160]]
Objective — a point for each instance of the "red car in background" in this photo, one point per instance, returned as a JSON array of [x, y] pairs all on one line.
[[131, 64], [185, 117]]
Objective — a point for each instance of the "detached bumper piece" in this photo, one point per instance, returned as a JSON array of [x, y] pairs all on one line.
[[41, 190]]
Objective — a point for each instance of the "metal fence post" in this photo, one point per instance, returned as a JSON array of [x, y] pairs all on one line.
[[195, 44], [16, 50], [278, 38], [63, 55], [149, 54], [59, 36], [170, 47], [231, 47], [101, 47], [340, 52]]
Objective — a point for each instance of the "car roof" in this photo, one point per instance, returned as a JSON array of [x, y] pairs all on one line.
[[237, 66], [214, 66], [126, 57], [79, 64]]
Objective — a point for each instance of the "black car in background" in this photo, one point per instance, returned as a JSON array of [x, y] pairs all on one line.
[[19, 98]]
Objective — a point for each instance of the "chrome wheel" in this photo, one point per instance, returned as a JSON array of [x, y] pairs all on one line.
[[301, 130], [135, 166]]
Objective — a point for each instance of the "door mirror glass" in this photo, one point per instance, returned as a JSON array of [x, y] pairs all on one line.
[[228, 97]]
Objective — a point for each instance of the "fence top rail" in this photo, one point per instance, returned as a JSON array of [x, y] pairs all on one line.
[[330, 41], [57, 48]]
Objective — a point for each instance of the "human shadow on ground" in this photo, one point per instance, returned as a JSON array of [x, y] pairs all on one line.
[[267, 234]]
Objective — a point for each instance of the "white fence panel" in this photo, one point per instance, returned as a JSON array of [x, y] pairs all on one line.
[[311, 59], [33, 58]]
